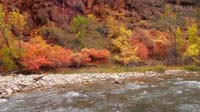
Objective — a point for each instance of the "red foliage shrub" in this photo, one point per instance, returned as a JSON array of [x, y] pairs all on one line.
[[151, 43], [96, 55], [35, 63], [58, 56], [141, 41], [141, 36], [143, 51], [39, 54], [87, 56], [160, 49], [78, 59]]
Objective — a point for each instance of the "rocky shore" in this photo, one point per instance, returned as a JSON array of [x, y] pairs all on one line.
[[12, 84]]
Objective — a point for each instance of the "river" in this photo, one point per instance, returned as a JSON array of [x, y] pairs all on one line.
[[165, 93]]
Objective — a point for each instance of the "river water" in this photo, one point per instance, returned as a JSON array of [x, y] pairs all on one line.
[[166, 93]]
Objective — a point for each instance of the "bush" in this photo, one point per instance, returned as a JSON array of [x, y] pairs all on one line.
[[159, 68], [192, 68], [91, 56], [39, 54], [66, 38], [54, 34], [6, 59], [151, 43]]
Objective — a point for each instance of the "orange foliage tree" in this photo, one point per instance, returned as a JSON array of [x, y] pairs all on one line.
[[161, 43], [151, 43]]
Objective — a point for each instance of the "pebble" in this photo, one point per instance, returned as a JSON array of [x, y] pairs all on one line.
[[17, 83]]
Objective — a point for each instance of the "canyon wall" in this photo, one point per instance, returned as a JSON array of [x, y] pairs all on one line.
[[39, 12]]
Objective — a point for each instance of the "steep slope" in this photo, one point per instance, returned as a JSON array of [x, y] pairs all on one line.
[[63, 11]]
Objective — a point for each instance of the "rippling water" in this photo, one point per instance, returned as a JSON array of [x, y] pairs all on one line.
[[167, 93]]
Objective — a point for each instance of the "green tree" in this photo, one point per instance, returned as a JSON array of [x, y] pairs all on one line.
[[79, 26]]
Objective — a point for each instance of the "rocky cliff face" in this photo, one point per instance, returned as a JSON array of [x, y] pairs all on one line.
[[62, 12]]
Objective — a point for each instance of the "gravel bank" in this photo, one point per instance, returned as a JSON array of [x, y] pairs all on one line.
[[17, 83]]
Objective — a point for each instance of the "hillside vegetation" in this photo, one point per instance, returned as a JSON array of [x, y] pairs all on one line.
[[40, 35]]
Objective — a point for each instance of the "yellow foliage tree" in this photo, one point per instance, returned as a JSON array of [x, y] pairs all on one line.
[[9, 49], [18, 23], [121, 37], [193, 51]]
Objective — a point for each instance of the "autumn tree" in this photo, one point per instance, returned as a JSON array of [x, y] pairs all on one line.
[[168, 21], [193, 50], [8, 52], [18, 24], [120, 38], [179, 42]]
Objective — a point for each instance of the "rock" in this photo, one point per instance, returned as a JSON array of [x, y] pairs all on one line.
[[72, 94], [3, 100], [12, 84], [38, 78], [9, 91], [62, 12], [118, 82]]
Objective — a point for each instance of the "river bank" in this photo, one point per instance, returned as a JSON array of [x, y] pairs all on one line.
[[9, 85]]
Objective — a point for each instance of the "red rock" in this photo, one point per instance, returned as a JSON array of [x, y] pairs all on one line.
[[63, 11]]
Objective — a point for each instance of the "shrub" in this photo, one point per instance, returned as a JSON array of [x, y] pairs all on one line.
[[128, 57], [67, 38], [54, 34], [143, 51], [151, 43], [142, 42], [89, 56], [192, 68], [160, 49], [161, 43], [39, 54], [96, 55], [193, 51], [6, 59], [159, 68], [78, 59]]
